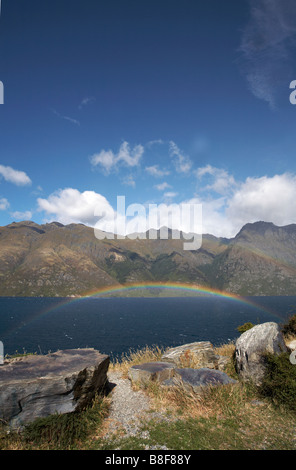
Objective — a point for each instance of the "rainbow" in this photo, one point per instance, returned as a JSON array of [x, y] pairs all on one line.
[[189, 288], [171, 286]]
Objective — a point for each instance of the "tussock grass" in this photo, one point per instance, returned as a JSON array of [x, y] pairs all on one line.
[[226, 349], [232, 417], [147, 354]]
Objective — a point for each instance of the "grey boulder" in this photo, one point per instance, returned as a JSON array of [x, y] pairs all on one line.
[[198, 379], [151, 371], [251, 346], [169, 375], [196, 355], [62, 382]]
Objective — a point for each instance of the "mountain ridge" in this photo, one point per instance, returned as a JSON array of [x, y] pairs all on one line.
[[53, 259]]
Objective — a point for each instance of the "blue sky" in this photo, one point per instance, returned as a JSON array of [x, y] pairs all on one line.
[[165, 101]]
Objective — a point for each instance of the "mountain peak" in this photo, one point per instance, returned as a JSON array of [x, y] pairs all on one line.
[[259, 227]]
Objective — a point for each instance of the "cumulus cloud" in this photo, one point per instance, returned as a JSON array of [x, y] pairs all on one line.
[[108, 160], [26, 215], [221, 181], [267, 46], [266, 198], [20, 178], [71, 206], [182, 162], [270, 199], [4, 204]]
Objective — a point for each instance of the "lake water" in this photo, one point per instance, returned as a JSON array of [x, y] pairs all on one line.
[[118, 325]]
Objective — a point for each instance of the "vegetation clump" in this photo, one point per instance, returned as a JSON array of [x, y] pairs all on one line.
[[233, 417], [245, 327], [289, 328], [279, 383], [59, 431]]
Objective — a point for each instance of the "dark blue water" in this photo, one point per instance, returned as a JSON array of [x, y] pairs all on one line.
[[118, 325]]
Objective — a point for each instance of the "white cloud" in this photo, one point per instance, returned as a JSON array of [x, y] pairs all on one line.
[[155, 142], [221, 182], [155, 171], [20, 178], [108, 160], [270, 199], [129, 181], [214, 221], [130, 157], [182, 162], [162, 186], [66, 118], [86, 101], [27, 215], [170, 195], [4, 204], [71, 206], [266, 46]]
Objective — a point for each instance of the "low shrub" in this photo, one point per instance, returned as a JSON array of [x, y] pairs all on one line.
[[245, 327], [289, 328], [279, 383]]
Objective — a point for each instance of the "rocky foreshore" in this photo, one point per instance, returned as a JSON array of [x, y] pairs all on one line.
[[36, 386]]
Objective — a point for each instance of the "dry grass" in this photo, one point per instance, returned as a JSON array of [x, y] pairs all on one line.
[[231, 416], [178, 400], [225, 349], [289, 338], [228, 417], [136, 357]]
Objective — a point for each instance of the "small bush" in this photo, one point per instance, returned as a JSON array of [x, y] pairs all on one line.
[[289, 328], [245, 327], [279, 383]]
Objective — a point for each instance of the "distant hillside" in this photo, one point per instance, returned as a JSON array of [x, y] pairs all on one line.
[[57, 260]]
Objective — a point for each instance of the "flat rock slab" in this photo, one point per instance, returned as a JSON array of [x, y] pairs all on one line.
[[197, 379], [62, 382], [151, 371], [196, 355]]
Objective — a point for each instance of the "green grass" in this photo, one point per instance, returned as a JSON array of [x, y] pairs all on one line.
[[279, 383], [222, 419], [234, 417], [58, 432]]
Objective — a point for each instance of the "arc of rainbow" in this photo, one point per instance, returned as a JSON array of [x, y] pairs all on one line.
[[106, 291], [205, 291]]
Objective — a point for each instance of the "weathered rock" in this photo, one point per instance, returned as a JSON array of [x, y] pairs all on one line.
[[251, 347], [197, 379], [223, 362], [151, 371], [61, 382], [197, 355]]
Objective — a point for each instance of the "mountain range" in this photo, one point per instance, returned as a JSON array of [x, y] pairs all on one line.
[[68, 260]]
